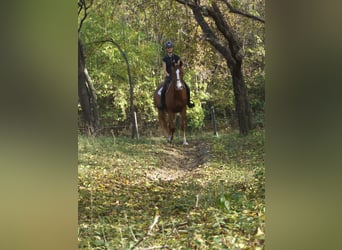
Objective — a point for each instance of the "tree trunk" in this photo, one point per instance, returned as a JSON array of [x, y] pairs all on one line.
[[86, 94], [242, 107], [131, 90], [230, 48]]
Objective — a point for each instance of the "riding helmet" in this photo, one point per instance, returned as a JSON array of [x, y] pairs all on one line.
[[169, 44]]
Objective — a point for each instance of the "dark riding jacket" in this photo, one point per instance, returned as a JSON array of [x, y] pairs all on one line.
[[169, 60]]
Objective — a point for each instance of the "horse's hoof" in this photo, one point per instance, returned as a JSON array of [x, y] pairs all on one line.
[[185, 143]]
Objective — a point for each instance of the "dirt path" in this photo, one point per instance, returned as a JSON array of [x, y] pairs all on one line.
[[177, 161]]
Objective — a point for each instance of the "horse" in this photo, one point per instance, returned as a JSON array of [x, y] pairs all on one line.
[[175, 100]]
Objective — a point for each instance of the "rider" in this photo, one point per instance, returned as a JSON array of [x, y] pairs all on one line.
[[168, 59]]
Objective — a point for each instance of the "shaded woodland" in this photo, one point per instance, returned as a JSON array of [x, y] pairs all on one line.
[[222, 45], [147, 193]]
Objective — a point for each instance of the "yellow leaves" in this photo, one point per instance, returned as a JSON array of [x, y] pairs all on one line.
[[157, 188], [146, 183], [115, 203], [250, 213], [127, 204], [260, 232]]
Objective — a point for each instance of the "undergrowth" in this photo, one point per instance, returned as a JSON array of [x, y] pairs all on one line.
[[218, 203]]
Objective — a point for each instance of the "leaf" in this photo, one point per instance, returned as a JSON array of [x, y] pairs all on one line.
[[223, 203], [99, 242], [230, 213]]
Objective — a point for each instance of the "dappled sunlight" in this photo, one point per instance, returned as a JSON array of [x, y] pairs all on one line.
[[189, 192]]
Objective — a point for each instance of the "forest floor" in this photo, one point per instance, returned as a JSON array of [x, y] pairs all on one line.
[[179, 161], [149, 194]]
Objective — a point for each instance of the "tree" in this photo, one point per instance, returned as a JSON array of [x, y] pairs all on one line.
[[86, 91], [223, 38], [131, 85], [141, 30]]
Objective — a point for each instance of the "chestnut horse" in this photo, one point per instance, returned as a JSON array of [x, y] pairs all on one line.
[[175, 100]]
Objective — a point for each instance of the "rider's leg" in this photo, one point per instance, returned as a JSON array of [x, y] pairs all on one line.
[[162, 97], [162, 104]]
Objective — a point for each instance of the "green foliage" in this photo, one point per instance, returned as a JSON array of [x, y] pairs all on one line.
[[209, 195], [141, 30], [195, 116]]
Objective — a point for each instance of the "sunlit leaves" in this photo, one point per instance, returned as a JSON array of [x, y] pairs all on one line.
[[141, 29], [218, 204]]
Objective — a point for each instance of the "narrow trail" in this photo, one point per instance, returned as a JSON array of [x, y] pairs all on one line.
[[178, 161]]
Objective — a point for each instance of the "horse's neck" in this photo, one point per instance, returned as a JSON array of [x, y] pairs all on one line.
[[174, 75], [172, 84]]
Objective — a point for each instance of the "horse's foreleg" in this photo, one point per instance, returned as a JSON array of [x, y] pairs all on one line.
[[171, 126], [183, 117]]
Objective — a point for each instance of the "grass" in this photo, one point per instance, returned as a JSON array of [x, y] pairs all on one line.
[[150, 195]]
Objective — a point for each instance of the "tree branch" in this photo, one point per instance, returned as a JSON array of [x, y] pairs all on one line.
[[209, 34], [155, 221], [239, 12], [226, 30], [83, 6], [230, 7], [186, 2], [130, 81]]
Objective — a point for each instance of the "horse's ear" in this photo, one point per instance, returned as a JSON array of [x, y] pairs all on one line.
[[180, 63]]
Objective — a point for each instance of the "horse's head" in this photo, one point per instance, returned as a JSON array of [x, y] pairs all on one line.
[[178, 75]]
